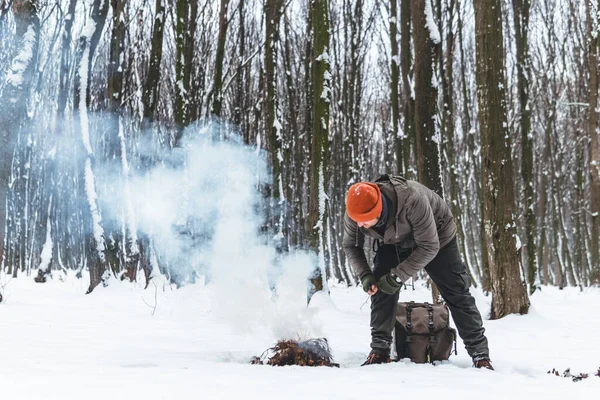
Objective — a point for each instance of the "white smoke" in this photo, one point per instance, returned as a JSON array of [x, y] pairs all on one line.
[[209, 186]]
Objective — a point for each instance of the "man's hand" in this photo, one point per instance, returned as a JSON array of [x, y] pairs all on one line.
[[389, 284], [369, 283]]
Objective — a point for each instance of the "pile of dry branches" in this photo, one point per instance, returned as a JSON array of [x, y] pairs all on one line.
[[310, 353]]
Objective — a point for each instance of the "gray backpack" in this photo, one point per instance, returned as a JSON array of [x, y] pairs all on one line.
[[423, 332]]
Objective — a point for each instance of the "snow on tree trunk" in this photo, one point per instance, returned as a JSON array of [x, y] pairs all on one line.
[[271, 123], [89, 178], [320, 228], [499, 235], [47, 249], [521, 21], [594, 41], [406, 140], [130, 238], [151, 86], [320, 99], [426, 37], [95, 246], [13, 102]]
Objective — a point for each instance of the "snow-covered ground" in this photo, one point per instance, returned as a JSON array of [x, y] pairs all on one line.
[[123, 342]]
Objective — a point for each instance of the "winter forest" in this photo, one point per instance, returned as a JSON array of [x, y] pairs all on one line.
[[118, 117], [173, 181]]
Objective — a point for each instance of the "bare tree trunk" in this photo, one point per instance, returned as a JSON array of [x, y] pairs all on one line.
[[218, 81], [449, 138], [151, 86], [5, 6], [470, 161], [448, 116], [521, 21], [395, 82], [561, 241], [115, 65], [319, 134], [124, 244], [403, 145], [270, 102], [355, 84], [192, 100], [593, 43], [542, 208], [56, 173], [508, 294], [13, 102], [426, 131], [87, 47], [240, 104], [65, 58], [580, 260], [182, 14], [295, 181], [95, 241]]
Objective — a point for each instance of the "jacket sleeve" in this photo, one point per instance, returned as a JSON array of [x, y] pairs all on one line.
[[353, 243], [420, 216]]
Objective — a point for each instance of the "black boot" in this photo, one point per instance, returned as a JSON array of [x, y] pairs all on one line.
[[377, 357]]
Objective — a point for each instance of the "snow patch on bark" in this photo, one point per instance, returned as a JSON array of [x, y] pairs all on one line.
[[434, 33], [131, 222], [14, 76], [90, 189], [46, 255], [90, 184], [320, 227]]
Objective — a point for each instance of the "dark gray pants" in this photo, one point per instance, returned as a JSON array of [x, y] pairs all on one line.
[[448, 272]]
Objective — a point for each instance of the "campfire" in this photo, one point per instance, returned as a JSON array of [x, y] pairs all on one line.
[[309, 353]]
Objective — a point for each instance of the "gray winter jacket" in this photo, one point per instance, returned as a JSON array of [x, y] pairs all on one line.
[[419, 219]]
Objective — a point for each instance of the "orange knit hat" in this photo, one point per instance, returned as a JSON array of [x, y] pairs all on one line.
[[363, 202]]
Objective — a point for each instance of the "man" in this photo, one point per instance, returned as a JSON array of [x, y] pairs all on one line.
[[413, 229]]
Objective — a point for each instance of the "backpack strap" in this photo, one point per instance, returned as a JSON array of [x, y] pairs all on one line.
[[455, 352], [408, 321], [428, 349], [431, 326]]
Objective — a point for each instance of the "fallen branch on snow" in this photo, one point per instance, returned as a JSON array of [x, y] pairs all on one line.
[[575, 378]]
